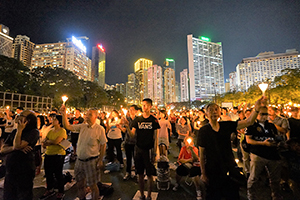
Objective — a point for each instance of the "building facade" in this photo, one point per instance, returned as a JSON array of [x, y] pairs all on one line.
[[22, 49], [141, 78], [5, 41], [70, 55], [169, 85], [98, 65], [184, 86], [155, 84], [130, 89], [232, 81], [206, 71], [120, 87], [265, 66]]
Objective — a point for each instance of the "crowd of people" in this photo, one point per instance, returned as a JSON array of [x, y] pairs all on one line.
[[265, 139]]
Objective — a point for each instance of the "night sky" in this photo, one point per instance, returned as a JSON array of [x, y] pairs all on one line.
[[157, 29]]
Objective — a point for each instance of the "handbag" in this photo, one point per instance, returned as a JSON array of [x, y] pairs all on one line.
[[65, 144]]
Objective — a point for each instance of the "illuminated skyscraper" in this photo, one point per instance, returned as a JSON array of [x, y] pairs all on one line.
[[169, 85], [130, 92], [70, 55], [23, 49], [155, 84], [141, 81], [206, 72], [5, 41], [265, 65], [98, 65], [184, 86]]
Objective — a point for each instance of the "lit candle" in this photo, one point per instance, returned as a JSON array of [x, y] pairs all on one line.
[[124, 111], [64, 99], [7, 107], [263, 87], [189, 140]]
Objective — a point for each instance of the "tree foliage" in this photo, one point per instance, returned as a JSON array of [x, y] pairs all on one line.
[[54, 83]]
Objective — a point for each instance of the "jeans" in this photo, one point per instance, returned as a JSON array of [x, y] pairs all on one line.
[[129, 151], [110, 149], [257, 166]]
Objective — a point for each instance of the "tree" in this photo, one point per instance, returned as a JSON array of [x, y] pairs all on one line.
[[14, 76]]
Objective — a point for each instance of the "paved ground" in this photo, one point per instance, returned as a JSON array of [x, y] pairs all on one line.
[[126, 190]]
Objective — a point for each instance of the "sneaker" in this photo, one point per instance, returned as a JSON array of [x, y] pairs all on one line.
[[199, 195], [60, 196], [126, 177], [47, 194], [175, 188]]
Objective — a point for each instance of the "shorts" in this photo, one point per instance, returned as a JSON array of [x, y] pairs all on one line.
[[142, 161], [74, 138], [87, 170], [162, 140], [183, 170]]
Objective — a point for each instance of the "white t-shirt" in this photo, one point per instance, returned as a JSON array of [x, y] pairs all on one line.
[[164, 126]]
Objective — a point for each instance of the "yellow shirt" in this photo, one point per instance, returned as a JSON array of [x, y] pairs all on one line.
[[56, 149]]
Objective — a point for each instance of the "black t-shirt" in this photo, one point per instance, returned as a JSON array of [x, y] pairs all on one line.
[[218, 152], [294, 164], [259, 133], [78, 120], [294, 125], [2, 121], [145, 131], [17, 162]]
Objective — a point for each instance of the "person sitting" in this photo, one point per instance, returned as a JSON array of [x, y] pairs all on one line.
[[188, 160]]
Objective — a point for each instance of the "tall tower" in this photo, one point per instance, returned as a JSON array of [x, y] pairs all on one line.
[[130, 89], [98, 65], [141, 81], [169, 85], [5, 41], [155, 84], [206, 72], [23, 49], [184, 86]]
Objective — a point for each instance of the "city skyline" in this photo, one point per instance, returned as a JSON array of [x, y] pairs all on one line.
[[157, 30]]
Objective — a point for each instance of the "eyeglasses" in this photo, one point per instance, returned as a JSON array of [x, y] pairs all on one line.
[[264, 114]]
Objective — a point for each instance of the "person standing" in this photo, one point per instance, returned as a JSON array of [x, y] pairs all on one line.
[[54, 158], [145, 128], [163, 136], [263, 155], [216, 157], [129, 140], [90, 152], [74, 134], [20, 161]]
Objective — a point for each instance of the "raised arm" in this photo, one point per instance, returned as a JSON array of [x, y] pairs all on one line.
[[65, 119], [251, 119]]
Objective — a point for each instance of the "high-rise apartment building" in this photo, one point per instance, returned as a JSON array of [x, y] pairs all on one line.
[[120, 87], [70, 55], [184, 85], [130, 92], [264, 66], [177, 91], [23, 49], [206, 72], [155, 84], [98, 65], [169, 85], [141, 78], [5, 41], [232, 81]]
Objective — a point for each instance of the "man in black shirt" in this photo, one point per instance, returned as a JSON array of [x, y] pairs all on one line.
[[145, 128], [262, 138], [216, 157]]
